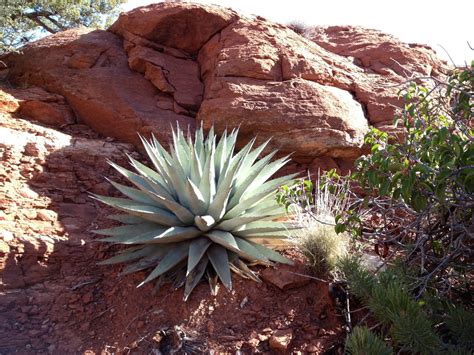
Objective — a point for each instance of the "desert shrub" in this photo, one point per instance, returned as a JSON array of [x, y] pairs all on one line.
[[420, 187], [313, 211], [320, 244], [417, 206], [200, 212]]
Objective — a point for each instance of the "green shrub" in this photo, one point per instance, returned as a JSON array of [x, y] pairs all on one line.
[[200, 213], [420, 187], [410, 322], [460, 323], [417, 203], [363, 342]]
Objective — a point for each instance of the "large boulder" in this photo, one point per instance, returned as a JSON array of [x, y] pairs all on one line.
[[188, 63], [90, 69]]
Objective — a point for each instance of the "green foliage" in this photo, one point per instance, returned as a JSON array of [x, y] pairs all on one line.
[[434, 164], [364, 342], [389, 296], [410, 327], [299, 192], [202, 211], [22, 21], [361, 281], [460, 323], [422, 180]]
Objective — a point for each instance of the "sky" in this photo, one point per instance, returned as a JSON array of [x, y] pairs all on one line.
[[448, 24]]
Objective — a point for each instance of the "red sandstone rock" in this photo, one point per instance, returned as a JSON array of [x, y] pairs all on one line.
[[90, 69], [36, 104], [179, 77], [302, 116], [385, 60], [183, 26], [377, 52], [284, 278], [171, 62]]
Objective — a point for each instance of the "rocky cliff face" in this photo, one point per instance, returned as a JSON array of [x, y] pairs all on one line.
[[189, 63]]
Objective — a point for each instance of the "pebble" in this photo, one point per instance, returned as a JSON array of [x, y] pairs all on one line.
[[281, 339]]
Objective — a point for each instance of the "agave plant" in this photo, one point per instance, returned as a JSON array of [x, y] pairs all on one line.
[[202, 212]]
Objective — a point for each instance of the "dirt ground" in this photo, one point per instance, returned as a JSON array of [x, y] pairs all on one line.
[[55, 299]]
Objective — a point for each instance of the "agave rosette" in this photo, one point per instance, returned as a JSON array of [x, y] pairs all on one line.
[[203, 210]]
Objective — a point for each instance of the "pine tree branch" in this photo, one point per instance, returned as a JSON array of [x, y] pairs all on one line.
[[35, 16]]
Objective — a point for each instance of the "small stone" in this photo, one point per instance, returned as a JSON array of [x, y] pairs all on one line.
[[253, 342], [210, 327], [46, 215], [315, 347], [281, 339], [27, 193], [34, 333], [283, 278], [31, 149], [30, 213], [88, 297], [6, 236]]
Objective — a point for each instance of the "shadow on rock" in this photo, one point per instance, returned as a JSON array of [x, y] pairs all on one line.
[[54, 297]]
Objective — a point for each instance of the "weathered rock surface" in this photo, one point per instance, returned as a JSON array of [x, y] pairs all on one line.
[[386, 63], [377, 52], [38, 105], [90, 70], [186, 62]]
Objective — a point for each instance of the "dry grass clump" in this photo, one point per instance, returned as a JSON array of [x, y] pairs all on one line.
[[300, 28], [321, 245], [317, 238]]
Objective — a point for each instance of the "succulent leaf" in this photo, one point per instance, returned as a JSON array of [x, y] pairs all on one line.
[[173, 257], [130, 255], [199, 212], [197, 248], [195, 276], [126, 218], [220, 261]]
